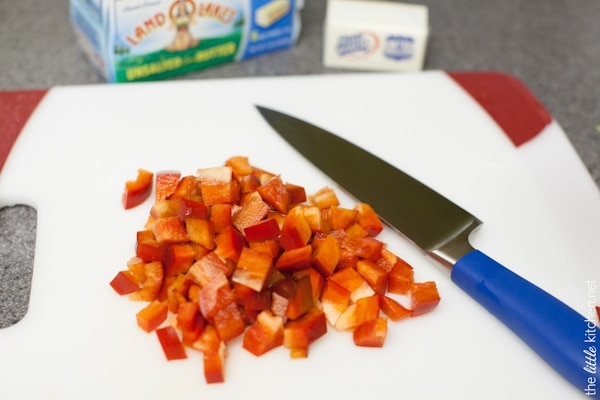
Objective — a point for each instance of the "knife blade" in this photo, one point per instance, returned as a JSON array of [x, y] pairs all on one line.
[[441, 228]]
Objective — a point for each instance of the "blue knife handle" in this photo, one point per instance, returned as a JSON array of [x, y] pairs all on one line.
[[565, 339]]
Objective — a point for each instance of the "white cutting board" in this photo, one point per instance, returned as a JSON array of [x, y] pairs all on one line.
[[541, 213]]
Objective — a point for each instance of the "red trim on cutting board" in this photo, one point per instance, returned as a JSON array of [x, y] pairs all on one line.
[[508, 101], [15, 109]]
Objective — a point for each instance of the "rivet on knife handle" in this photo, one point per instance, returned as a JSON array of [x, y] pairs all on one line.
[[441, 228]]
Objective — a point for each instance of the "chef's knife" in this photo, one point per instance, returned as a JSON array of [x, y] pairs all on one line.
[[441, 228]]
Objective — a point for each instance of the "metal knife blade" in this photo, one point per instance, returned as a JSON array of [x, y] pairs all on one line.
[[441, 228]]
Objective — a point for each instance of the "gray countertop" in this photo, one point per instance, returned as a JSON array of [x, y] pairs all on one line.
[[553, 46]]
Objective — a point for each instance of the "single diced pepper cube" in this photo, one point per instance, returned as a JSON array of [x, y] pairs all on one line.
[[371, 333], [229, 244], [424, 297], [170, 343], [166, 183], [275, 194], [169, 230], [340, 217], [295, 259], [352, 281], [252, 269], [326, 255], [300, 333], [368, 219], [229, 322], [400, 278], [393, 309], [324, 198], [179, 257], [302, 300], [334, 300], [151, 316], [375, 276], [365, 309], [264, 334], [295, 231], [124, 283]]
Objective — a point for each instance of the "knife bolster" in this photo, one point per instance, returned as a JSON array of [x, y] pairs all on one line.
[[452, 250]]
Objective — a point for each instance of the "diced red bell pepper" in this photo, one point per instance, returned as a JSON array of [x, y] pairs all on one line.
[[170, 343], [353, 282], [188, 187], [136, 192], [151, 316], [148, 248], [387, 259], [302, 300], [249, 183], [324, 198], [179, 257], [214, 296], [207, 268], [355, 230], [424, 297], [250, 299], [375, 276], [214, 351], [317, 281], [334, 300], [300, 333], [269, 248], [264, 334], [371, 333], [136, 265], [326, 255], [279, 304], [229, 322], [153, 281], [240, 166], [315, 219], [165, 208], [295, 231], [166, 184], [200, 231], [340, 217], [363, 310], [368, 219], [124, 283], [295, 259], [192, 208], [170, 230], [177, 290], [297, 193], [393, 309], [400, 278], [364, 247], [252, 269], [189, 318], [262, 230], [230, 243], [214, 365], [220, 215], [275, 194], [249, 214]]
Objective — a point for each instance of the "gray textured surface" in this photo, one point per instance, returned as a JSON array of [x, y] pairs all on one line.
[[553, 46]]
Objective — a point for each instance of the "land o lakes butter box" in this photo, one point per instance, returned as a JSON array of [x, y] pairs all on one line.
[[141, 40]]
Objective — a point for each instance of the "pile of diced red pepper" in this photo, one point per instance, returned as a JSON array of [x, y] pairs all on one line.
[[235, 251]]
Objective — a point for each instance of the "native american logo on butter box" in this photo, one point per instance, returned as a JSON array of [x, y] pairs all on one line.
[[153, 39]]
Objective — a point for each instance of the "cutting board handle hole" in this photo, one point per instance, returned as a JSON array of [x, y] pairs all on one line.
[[17, 248]]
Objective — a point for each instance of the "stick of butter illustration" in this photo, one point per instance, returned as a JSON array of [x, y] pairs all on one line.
[[271, 12]]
